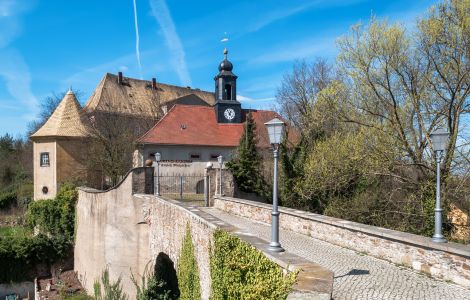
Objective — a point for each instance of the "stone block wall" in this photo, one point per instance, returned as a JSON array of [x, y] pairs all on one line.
[[168, 220], [449, 261]]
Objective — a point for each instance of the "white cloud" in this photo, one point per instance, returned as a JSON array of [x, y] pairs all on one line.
[[16, 74], [162, 14], [244, 99], [285, 12], [8, 7], [298, 50], [13, 68]]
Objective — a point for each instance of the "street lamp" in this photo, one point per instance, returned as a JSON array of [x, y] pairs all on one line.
[[158, 157], [206, 183], [275, 131], [220, 160], [439, 139]]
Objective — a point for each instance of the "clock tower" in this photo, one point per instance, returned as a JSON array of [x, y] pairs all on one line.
[[227, 108]]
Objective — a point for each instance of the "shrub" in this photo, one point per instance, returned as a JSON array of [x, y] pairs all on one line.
[[188, 272], [239, 271], [111, 291], [55, 216], [7, 199]]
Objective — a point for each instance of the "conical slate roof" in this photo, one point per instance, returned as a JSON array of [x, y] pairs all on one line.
[[65, 121]]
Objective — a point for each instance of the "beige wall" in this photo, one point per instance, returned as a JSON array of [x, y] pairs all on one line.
[[45, 176], [111, 232], [71, 161]]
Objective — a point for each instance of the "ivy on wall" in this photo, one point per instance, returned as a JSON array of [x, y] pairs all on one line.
[[187, 271], [240, 271]]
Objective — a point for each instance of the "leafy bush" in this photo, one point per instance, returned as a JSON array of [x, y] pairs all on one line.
[[239, 271], [188, 272], [55, 216], [111, 291], [7, 199], [20, 254]]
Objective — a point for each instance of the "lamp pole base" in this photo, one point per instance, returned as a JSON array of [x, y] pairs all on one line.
[[439, 239], [275, 247]]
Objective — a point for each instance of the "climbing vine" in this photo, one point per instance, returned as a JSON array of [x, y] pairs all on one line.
[[188, 272], [239, 271]]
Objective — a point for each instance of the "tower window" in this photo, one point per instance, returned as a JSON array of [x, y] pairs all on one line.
[[44, 159], [228, 91]]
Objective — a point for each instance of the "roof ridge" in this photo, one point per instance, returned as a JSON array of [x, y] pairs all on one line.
[[162, 83]]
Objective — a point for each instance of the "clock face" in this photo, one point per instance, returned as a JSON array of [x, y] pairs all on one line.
[[229, 114]]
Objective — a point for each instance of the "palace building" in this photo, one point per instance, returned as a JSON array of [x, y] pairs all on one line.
[[187, 126]]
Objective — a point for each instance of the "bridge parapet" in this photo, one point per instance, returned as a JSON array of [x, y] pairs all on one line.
[[168, 219], [448, 261]]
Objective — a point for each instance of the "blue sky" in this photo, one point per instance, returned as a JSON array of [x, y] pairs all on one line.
[[48, 46]]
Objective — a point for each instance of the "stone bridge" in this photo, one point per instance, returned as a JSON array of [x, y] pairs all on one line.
[[126, 227]]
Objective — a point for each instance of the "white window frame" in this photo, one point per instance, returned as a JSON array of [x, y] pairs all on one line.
[[44, 162]]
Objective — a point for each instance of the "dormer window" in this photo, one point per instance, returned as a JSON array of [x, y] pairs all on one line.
[[44, 159]]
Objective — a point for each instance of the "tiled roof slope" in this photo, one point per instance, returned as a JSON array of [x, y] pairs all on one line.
[[197, 125], [65, 121], [136, 97]]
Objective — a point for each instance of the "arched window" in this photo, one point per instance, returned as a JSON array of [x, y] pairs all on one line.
[[228, 91]]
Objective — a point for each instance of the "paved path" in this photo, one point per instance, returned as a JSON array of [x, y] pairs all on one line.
[[357, 276]]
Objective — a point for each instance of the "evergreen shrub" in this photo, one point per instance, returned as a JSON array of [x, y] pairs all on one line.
[[187, 271], [240, 271]]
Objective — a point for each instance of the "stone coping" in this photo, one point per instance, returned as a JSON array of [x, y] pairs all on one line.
[[404, 237], [97, 191], [313, 280]]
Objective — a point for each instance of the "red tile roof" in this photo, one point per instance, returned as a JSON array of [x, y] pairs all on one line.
[[197, 125]]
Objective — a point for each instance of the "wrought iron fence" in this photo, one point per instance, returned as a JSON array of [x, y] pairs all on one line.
[[180, 187]]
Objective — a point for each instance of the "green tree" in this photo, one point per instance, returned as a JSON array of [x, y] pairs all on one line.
[[246, 166]]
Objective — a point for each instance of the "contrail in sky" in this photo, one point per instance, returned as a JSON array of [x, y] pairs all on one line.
[[162, 14], [137, 50]]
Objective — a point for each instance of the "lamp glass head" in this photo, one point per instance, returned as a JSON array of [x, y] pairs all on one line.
[[158, 156], [440, 139], [276, 130]]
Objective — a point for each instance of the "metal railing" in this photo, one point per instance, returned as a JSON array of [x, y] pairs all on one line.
[[180, 187]]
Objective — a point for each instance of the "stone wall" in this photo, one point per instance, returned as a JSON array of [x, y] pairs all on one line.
[[168, 220], [449, 261], [126, 232], [112, 233]]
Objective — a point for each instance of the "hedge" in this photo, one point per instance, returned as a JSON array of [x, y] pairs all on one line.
[[240, 271]]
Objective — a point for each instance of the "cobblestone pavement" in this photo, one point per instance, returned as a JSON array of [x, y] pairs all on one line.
[[357, 276]]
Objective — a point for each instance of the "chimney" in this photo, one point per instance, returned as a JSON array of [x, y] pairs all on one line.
[[165, 109], [154, 84], [119, 77]]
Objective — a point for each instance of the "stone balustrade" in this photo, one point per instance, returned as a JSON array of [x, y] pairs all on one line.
[[448, 261]]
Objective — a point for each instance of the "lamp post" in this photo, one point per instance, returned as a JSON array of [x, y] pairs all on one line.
[[158, 157], [220, 160], [275, 131], [206, 183], [440, 139]]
